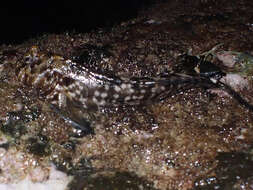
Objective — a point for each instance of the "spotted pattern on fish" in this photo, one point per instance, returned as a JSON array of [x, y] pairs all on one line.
[[60, 80]]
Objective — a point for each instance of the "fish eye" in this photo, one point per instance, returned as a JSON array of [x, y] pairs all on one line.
[[27, 59]]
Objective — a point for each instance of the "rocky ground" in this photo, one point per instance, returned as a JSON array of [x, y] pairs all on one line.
[[192, 140]]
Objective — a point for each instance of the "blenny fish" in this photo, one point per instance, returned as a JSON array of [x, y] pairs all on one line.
[[65, 85], [61, 81]]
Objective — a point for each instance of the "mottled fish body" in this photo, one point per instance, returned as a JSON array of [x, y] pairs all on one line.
[[60, 80]]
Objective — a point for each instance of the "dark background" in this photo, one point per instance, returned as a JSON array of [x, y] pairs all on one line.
[[21, 20]]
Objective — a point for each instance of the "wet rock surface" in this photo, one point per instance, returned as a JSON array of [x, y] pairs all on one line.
[[191, 140]]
